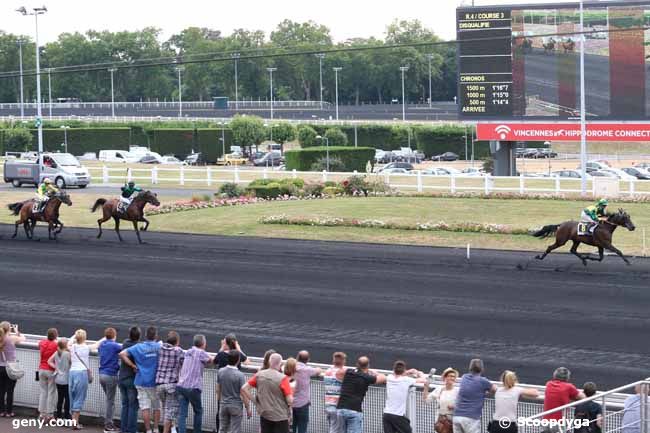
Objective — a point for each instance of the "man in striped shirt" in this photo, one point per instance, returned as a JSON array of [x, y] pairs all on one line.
[[169, 367], [333, 392]]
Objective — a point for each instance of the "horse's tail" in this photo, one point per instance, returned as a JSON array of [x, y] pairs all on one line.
[[546, 231], [98, 203], [15, 207]]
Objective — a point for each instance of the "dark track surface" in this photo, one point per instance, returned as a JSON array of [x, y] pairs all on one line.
[[427, 305]]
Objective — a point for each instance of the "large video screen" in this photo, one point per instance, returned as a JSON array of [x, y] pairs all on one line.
[[523, 62]]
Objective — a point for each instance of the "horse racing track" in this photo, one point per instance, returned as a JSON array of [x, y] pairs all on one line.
[[429, 306]]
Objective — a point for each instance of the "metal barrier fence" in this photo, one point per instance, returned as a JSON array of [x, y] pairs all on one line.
[[415, 180], [421, 414], [243, 104]]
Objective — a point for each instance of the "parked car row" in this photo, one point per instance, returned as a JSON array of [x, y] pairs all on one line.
[[409, 155], [535, 153]]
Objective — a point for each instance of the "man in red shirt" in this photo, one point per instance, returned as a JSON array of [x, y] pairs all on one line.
[[560, 392]]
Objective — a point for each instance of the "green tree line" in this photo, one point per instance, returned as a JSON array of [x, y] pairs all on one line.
[[368, 76]]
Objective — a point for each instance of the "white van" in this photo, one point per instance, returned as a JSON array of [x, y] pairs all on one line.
[[116, 156]]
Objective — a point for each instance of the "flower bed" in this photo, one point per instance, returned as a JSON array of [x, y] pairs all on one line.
[[465, 227], [181, 206]]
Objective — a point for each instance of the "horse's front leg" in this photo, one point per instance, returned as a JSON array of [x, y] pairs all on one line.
[[50, 230], [617, 251], [137, 231], [146, 224], [60, 227]]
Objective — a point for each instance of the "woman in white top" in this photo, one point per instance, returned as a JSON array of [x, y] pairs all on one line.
[[9, 337], [445, 397], [506, 400], [79, 374]]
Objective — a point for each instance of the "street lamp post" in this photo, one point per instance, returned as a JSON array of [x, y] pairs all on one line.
[[403, 69], [22, 99], [112, 71], [583, 122], [65, 137], [39, 122], [271, 70], [430, 56], [336, 85], [180, 69], [327, 151], [49, 89], [236, 57], [223, 139], [321, 56]]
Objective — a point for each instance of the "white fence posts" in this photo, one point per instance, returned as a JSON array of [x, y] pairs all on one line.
[[416, 180]]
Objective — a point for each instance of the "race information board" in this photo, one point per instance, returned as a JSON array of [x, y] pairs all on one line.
[[485, 63]]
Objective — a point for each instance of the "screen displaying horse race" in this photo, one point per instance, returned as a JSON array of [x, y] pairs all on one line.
[[523, 62]]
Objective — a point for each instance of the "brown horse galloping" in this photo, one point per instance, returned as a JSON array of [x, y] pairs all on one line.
[[49, 215], [601, 238], [134, 213]]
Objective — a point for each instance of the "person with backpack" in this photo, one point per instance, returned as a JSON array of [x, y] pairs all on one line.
[[589, 410]]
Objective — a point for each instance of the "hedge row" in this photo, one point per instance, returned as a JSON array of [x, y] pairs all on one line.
[[354, 158], [430, 140]]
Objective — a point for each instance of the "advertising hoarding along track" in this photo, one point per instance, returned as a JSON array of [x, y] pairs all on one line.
[[562, 131]]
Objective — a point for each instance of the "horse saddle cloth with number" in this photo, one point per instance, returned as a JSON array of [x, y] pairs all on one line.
[[586, 229], [122, 207]]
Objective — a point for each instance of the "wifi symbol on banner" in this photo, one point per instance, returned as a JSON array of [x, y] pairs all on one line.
[[503, 131]]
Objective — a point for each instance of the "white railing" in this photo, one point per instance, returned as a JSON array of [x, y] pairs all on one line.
[[422, 416], [612, 416], [415, 181]]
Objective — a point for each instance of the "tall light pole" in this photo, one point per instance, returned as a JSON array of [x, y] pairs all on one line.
[[403, 69], [327, 151], [20, 57], [39, 115], [223, 139], [583, 122], [112, 71], [65, 137], [336, 86], [236, 57], [49, 89], [271, 70], [180, 69], [430, 57], [321, 56]]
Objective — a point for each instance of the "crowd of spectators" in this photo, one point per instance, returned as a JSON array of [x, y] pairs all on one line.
[[160, 381]]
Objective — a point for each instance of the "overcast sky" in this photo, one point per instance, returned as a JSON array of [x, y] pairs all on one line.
[[345, 18]]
